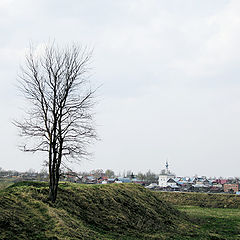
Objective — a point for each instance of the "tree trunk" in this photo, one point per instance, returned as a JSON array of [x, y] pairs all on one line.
[[53, 186], [53, 173]]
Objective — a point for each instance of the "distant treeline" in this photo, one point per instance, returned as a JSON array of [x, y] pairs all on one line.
[[148, 176]]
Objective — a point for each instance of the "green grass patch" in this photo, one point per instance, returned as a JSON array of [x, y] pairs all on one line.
[[6, 182], [210, 200], [114, 211], [218, 223]]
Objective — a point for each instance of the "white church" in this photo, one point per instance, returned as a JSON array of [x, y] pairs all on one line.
[[166, 178]]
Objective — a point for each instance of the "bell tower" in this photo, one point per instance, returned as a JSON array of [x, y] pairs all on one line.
[[167, 166]]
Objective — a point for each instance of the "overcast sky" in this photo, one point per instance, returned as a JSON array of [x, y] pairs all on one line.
[[170, 71]]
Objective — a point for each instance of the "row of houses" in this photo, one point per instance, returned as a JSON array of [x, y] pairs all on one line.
[[24, 176], [169, 182], [74, 177]]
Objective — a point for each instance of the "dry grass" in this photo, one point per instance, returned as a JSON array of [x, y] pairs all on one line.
[[116, 211]]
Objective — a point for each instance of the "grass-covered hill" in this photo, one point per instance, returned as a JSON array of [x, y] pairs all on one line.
[[116, 211], [209, 200], [217, 214]]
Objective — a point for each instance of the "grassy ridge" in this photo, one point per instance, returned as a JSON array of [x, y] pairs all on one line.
[[217, 214], [116, 211], [220, 223], [5, 183], [210, 200]]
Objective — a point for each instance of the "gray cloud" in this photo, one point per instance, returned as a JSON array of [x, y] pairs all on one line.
[[170, 79]]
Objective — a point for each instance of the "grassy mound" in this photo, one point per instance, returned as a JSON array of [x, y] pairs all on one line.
[[116, 211], [209, 200], [220, 223], [4, 183]]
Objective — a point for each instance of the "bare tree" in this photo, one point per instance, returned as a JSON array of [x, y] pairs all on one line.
[[60, 118], [109, 173]]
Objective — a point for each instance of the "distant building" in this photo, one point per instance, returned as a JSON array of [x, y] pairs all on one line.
[[231, 187], [220, 181], [201, 180], [123, 180], [102, 179], [164, 177]]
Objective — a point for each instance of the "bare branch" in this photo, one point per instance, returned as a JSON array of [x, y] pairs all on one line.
[[60, 118]]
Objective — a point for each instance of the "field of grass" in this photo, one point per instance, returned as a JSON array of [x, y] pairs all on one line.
[[4, 183], [219, 223], [215, 214], [116, 211], [211, 200]]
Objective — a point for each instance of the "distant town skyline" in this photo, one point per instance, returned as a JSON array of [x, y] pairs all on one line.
[[169, 72]]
